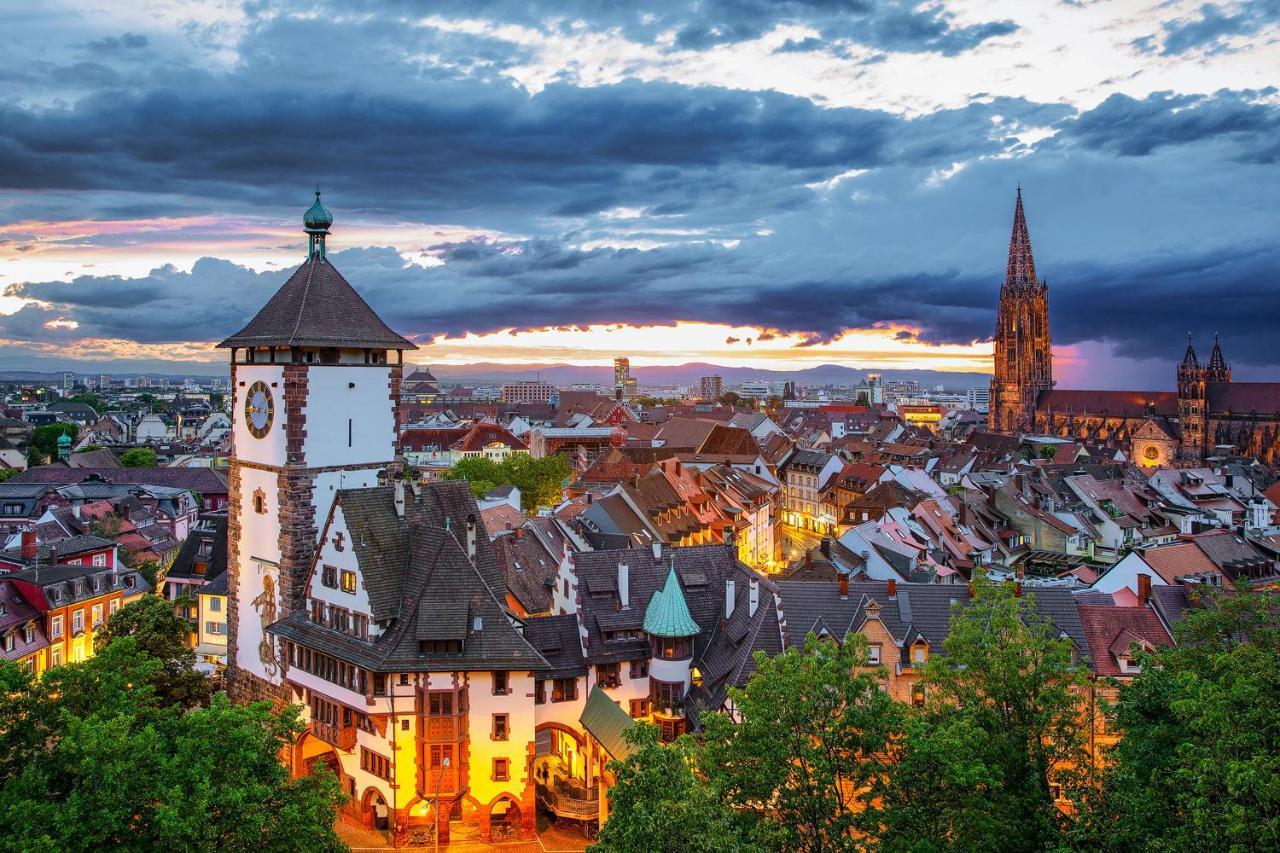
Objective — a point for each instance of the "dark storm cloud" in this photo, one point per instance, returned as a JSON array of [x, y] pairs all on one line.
[[1130, 127], [1216, 23], [566, 151]]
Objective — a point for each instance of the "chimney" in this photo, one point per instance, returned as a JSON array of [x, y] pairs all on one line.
[[29, 544], [970, 588], [1020, 482], [399, 496], [729, 591], [892, 588], [590, 498], [471, 537], [624, 584], [753, 597], [657, 550], [826, 547], [808, 559], [843, 580], [1144, 590], [1017, 590]]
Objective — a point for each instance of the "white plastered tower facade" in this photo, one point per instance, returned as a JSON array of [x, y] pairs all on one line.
[[316, 383]]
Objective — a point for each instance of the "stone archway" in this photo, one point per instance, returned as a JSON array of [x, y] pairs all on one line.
[[505, 819], [375, 810], [559, 749]]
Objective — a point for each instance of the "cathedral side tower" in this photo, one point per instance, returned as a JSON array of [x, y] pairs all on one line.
[[1191, 403], [316, 382], [1023, 365]]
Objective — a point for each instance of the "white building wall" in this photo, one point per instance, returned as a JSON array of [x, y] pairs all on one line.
[[519, 708], [350, 418], [270, 449], [258, 558]]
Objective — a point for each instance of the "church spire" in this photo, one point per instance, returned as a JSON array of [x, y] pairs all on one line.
[[1217, 370], [1189, 360], [1216, 361], [1021, 271]]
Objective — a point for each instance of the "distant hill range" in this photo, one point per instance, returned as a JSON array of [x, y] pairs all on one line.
[[50, 370], [689, 374]]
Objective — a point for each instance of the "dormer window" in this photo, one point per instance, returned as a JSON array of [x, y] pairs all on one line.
[[919, 654], [1128, 664], [873, 654]]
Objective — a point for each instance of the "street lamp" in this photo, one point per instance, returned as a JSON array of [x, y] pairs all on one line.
[[439, 778]]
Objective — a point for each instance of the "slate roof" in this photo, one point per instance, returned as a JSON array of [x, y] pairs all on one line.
[[422, 587], [67, 546], [316, 307], [216, 564], [722, 648], [203, 480], [916, 608], [556, 639], [529, 570]]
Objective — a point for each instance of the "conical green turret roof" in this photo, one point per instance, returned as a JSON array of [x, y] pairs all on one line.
[[667, 614]]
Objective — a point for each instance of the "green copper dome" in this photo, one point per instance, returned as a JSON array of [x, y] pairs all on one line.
[[667, 614], [317, 218], [64, 440]]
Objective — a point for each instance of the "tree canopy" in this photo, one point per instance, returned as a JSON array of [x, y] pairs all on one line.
[[539, 480], [138, 457], [94, 756], [1197, 766], [162, 634]]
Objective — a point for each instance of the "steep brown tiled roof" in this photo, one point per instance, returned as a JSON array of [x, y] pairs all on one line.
[[1110, 631], [1113, 403], [316, 307], [1178, 560], [1243, 397]]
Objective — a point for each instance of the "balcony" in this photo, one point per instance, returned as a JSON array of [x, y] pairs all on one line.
[[340, 737], [445, 729]]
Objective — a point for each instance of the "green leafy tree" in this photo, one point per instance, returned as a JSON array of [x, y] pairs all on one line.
[[863, 399], [217, 401], [661, 805], [978, 766], [7, 473], [798, 768], [730, 398], [138, 457], [92, 758], [45, 438], [539, 480], [1198, 762], [162, 634]]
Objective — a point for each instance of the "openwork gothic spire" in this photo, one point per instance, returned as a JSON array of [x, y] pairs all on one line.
[[1189, 360], [1021, 271], [1216, 361]]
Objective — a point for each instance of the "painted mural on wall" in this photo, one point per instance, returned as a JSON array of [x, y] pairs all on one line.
[[265, 605]]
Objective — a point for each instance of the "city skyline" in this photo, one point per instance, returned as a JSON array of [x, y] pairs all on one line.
[[559, 185]]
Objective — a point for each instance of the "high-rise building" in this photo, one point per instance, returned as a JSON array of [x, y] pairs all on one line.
[[709, 388], [624, 387], [1023, 358]]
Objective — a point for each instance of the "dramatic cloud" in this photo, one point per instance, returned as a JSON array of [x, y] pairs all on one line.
[[804, 167]]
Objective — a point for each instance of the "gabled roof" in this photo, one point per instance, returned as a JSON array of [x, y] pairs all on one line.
[[316, 307], [667, 614]]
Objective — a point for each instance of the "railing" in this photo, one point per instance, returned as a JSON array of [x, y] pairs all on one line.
[[575, 803], [342, 737]]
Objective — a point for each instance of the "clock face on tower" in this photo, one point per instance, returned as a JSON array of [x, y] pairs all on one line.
[[1151, 452], [259, 409]]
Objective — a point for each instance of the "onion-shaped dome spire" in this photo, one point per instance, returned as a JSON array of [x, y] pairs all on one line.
[[316, 222]]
